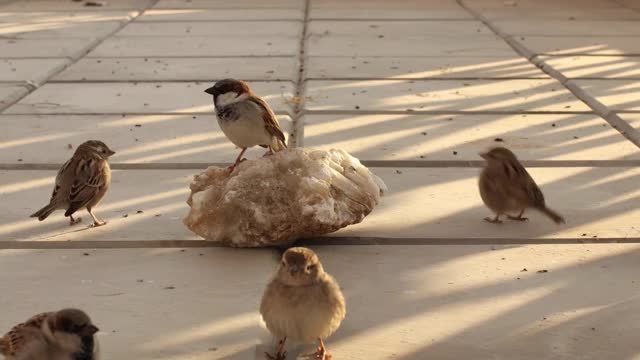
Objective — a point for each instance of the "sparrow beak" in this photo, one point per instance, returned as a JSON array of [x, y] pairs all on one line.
[[210, 91], [111, 152], [89, 330], [483, 155]]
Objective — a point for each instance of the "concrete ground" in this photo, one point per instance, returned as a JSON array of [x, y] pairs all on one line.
[[414, 88]]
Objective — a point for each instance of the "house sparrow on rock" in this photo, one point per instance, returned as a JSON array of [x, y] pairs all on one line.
[[506, 187], [81, 182], [245, 118], [63, 335], [302, 302]]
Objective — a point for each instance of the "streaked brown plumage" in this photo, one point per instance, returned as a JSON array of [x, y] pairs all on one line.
[[81, 182], [302, 302], [67, 334], [507, 188], [245, 118]]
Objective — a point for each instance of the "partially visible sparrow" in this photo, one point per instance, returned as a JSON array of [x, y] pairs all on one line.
[[63, 335], [245, 118], [81, 182], [506, 187], [302, 302]]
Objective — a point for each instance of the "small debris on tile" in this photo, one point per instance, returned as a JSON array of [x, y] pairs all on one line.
[[455, 153], [213, 349], [138, 125], [553, 125], [524, 269], [575, 137], [69, 146], [157, 215], [169, 287], [140, 280], [542, 271], [19, 160], [398, 172], [125, 215], [85, 254], [498, 140], [139, 212], [357, 107], [95, 3], [424, 133], [380, 36]]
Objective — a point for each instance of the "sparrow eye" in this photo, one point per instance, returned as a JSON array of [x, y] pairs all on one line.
[[311, 267]]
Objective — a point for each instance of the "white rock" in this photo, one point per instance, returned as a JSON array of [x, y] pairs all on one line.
[[279, 199]]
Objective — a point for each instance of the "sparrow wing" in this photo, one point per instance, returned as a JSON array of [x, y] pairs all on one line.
[[270, 120], [59, 178], [20, 335], [525, 188], [88, 182]]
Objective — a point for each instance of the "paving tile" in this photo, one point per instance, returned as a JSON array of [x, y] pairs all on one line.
[[196, 46], [444, 203], [456, 302], [154, 192], [181, 69], [136, 139], [372, 29], [139, 297], [214, 29], [462, 137], [420, 67], [542, 5], [221, 14], [34, 70], [549, 27], [632, 118], [441, 95], [600, 202], [618, 95], [56, 5], [592, 45], [569, 14], [223, 4], [439, 45], [605, 67], [8, 17], [117, 98], [331, 9], [10, 93], [45, 25], [39, 48]]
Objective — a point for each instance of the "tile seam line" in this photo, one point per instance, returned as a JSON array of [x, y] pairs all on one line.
[[317, 241], [81, 55], [600, 109], [300, 84]]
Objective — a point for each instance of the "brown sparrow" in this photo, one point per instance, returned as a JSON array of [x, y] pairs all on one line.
[[245, 118], [81, 182], [506, 187], [63, 335], [302, 302]]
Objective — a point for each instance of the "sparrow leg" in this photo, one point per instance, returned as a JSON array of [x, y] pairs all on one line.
[[238, 161], [280, 353], [321, 352], [519, 217], [96, 222], [495, 220], [269, 152], [73, 221]]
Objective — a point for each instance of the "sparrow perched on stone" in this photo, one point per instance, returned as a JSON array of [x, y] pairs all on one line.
[[245, 118], [81, 182], [506, 187], [302, 302], [63, 335]]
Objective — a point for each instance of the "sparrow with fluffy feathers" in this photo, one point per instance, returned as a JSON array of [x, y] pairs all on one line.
[[302, 302], [506, 187], [81, 182], [245, 119], [67, 334]]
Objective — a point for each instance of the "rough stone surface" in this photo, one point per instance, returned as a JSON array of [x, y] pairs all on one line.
[[462, 137], [148, 97], [282, 198], [442, 95]]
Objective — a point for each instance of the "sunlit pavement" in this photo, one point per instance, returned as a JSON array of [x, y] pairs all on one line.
[[415, 89]]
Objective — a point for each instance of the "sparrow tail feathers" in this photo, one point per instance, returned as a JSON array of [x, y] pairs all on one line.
[[557, 218], [44, 212]]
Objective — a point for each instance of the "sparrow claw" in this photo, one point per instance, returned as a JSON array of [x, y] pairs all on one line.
[[73, 221], [517, 218], [98, 223], [495, 220], [277, 356]]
